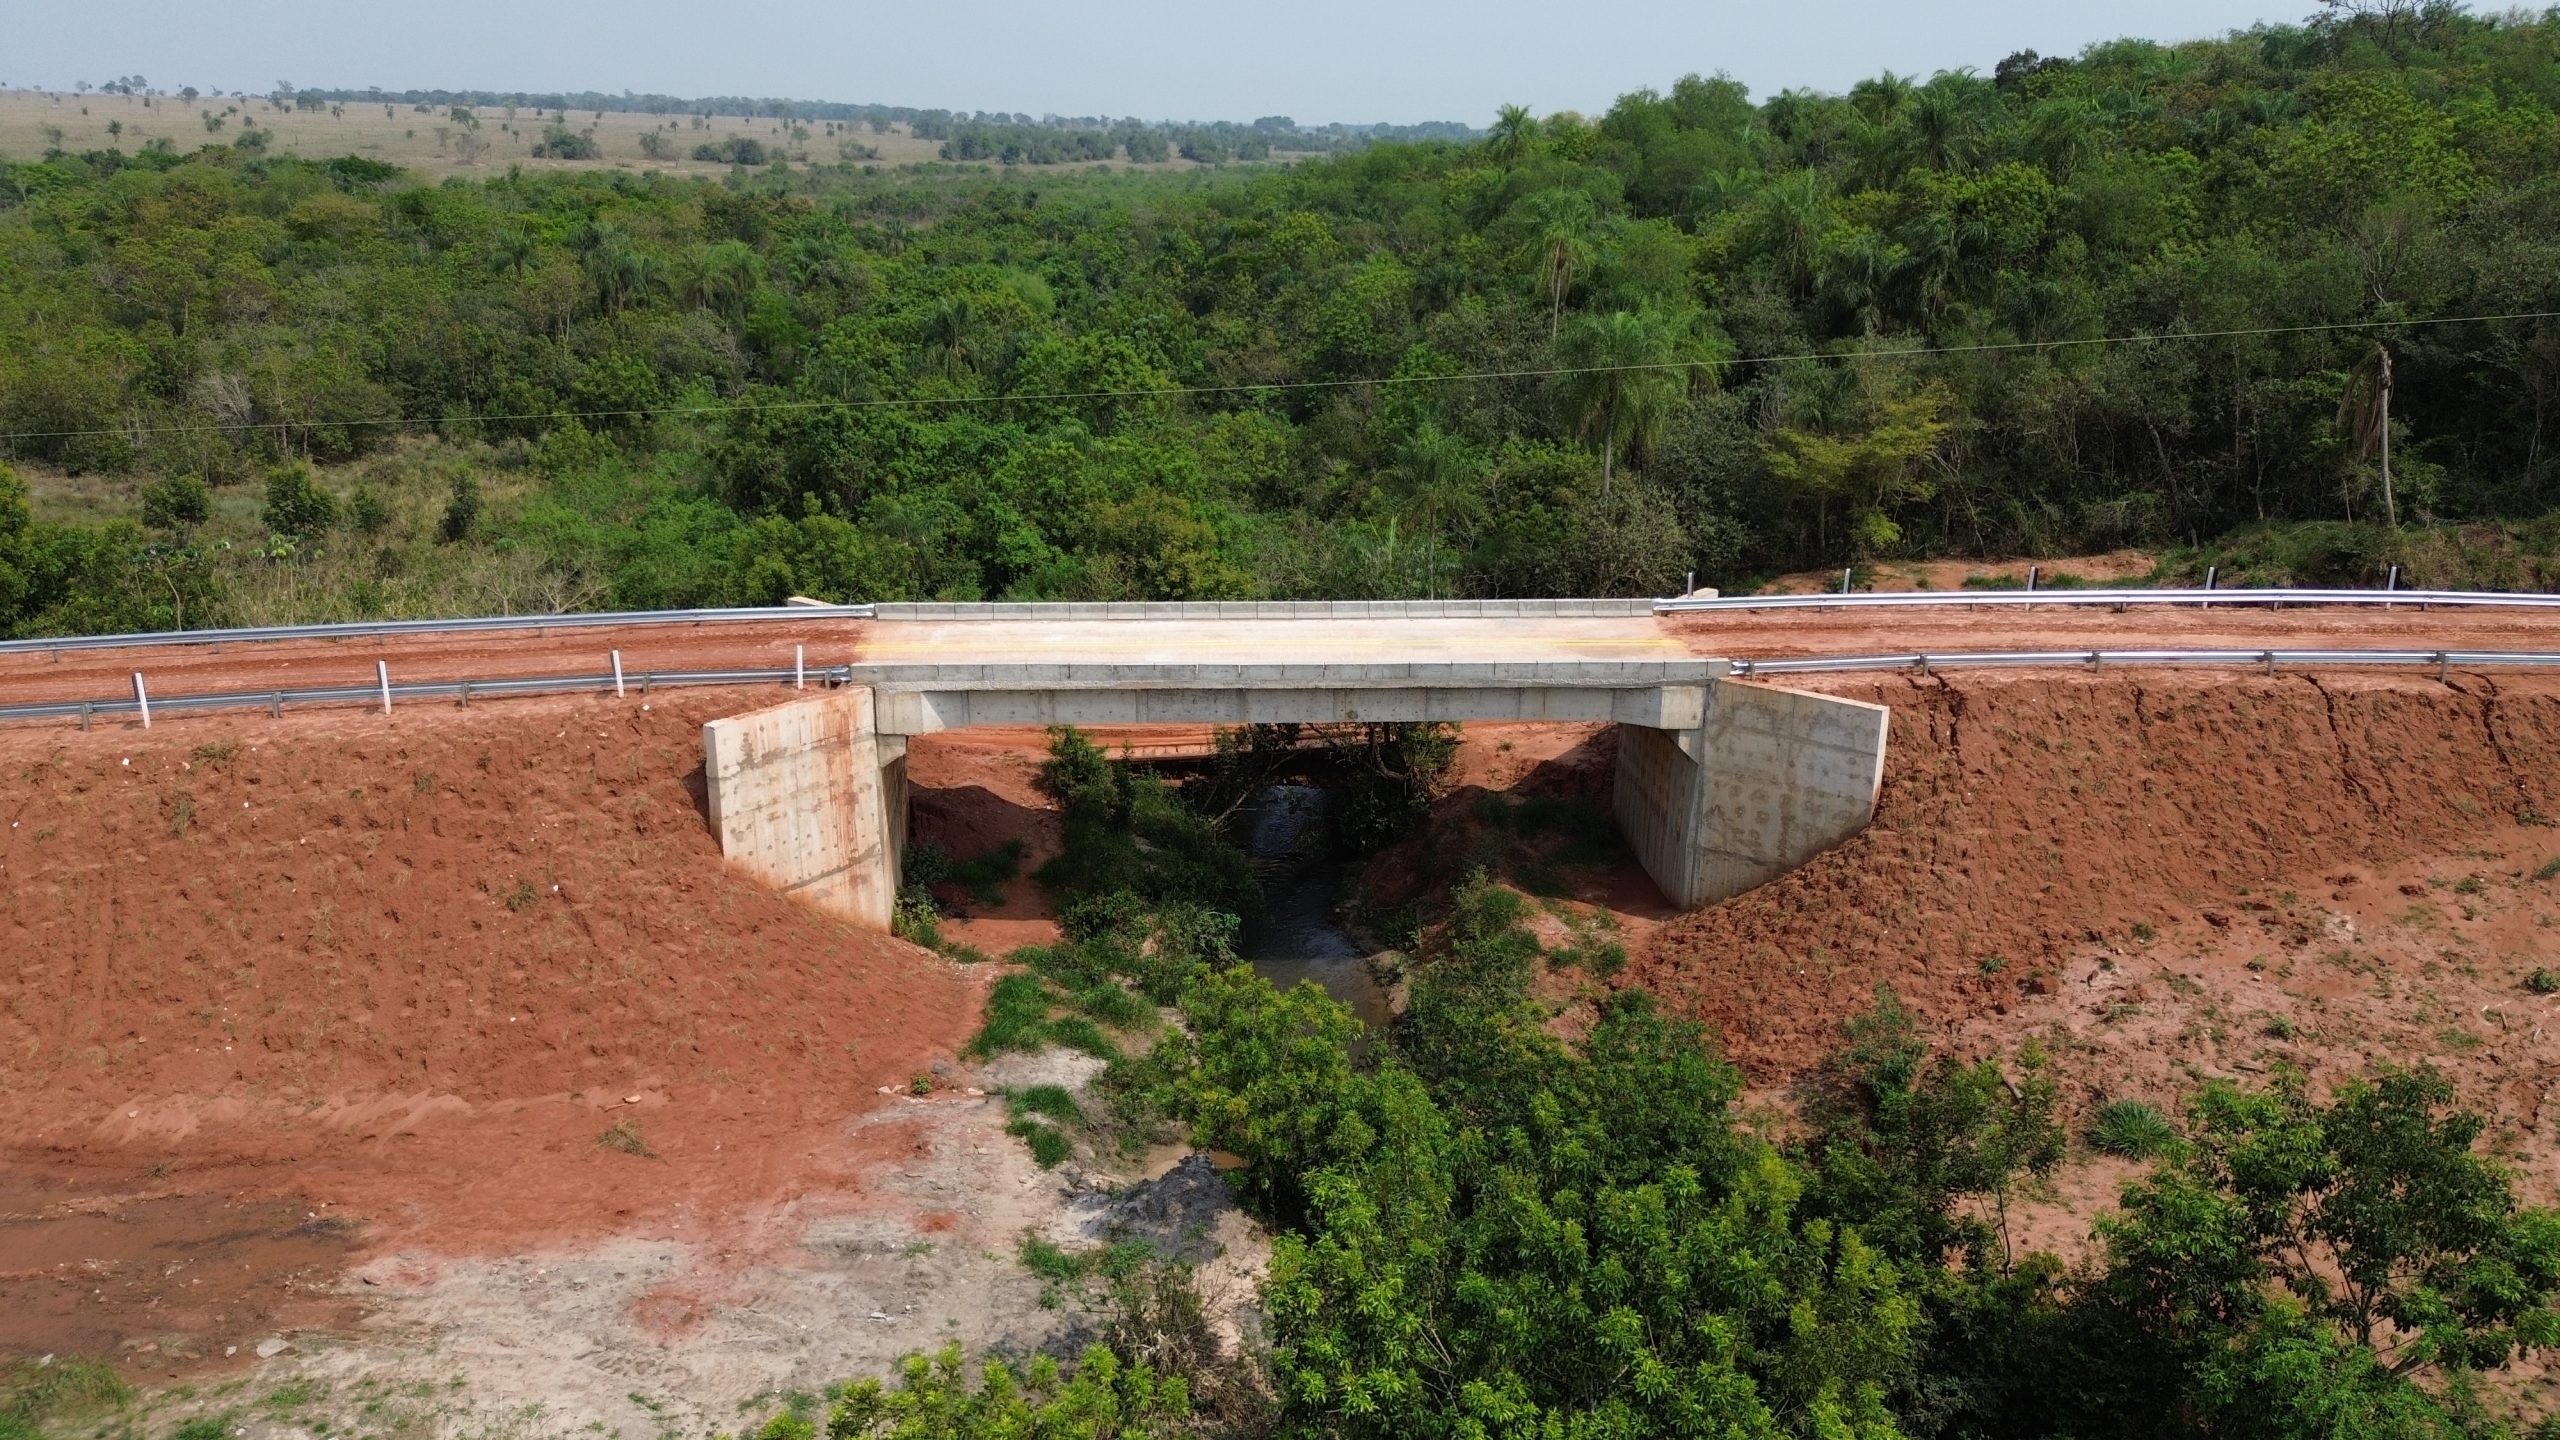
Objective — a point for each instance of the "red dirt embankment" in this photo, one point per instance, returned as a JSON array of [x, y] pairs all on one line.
[[410, 969], [2175, 875]]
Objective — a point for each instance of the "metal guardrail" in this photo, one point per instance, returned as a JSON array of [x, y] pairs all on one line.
[[463, 691], [2113, 598], [367, 629], [2272, 660]]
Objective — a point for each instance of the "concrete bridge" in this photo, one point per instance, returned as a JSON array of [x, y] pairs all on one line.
[[1720, 785]]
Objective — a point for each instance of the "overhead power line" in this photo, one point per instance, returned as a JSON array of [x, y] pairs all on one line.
[[1270, 387]]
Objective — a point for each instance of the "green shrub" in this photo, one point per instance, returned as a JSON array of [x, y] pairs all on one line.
[[934, 1398], [461, 511], [2133, 1129], [983, 876], [176, 502], [1051, 1101], [33, 1393], [2543, 981], [1017, 1017], [368, 511], [1049, 1145], [297, 506], [924, 865]]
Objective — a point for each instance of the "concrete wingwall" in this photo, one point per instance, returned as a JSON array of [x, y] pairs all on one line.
[[1769, 779], [801, 799], [1656, 802]]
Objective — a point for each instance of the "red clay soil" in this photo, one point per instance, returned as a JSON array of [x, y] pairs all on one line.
[[407, 971], [973, 791], [2039, 826]]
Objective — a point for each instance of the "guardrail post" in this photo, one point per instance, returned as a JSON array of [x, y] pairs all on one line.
[[464, 701], [275, 706], [2390, 583], [1844, 578], [142, 699], [2271, 662], [799, 667], [617, 674], [84, 714], [2210, 573], [382, 677], [2097, 660], [2444, 663]]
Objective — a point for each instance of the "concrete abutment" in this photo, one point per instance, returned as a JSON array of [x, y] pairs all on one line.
[[1720, 786], [811, 798], [1768, 779]]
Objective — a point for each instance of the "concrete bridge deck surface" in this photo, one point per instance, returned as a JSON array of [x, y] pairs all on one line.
[[1275, 654], [1512, 639]]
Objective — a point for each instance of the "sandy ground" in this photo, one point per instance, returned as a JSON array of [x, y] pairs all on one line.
[[646, 1334]]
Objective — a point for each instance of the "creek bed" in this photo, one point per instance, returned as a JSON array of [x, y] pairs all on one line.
[[1287, 829]]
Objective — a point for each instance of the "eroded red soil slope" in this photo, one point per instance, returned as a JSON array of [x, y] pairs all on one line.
[[409, 970]]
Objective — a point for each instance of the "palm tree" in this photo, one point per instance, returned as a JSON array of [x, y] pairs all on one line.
[[948, 331], [1436, 473], [1514, 131], [1881, 98], [1859, 279], [2063, 133], [1947, 118], [511, 250], [621, 271], [721, 278], [1565, 222], [1793, 213], [1630, 369]]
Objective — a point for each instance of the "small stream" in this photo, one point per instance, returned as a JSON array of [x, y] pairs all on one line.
[[1286, 829]]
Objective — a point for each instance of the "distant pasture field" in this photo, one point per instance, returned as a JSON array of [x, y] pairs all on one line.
[[429, 142]]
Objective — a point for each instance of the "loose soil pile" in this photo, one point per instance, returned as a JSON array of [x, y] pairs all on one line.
[[478, 981]]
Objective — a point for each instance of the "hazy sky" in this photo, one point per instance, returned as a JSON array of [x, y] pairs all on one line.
[[1315, 60]]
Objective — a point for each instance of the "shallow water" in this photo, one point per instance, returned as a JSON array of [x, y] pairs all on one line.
[[1295, 937]]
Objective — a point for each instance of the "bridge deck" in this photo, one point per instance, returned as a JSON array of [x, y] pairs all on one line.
[[1260, 653]]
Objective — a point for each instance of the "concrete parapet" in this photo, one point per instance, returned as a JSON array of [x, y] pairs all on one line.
[[1345, 676], [1768, 779], [802, 798], [922, 712]]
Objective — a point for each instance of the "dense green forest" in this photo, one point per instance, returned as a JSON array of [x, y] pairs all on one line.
[[1578, 355], [1492, 1224]]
